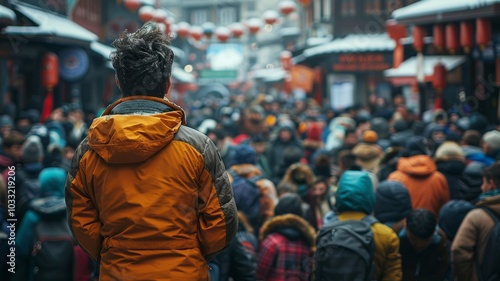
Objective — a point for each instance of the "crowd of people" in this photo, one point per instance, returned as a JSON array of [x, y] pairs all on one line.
[[429, 189]]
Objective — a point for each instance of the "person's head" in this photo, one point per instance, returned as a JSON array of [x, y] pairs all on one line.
[[12, 145], [347, 160], [285, 133], [471, 138], [32, 150], [491, 142], [350, 138], [6, 125], [259, 143], [319, 188], [392, 202], [491, 178], [52, 181], [243, 154], [420, 228], [355, 192], [416, 145], [449, 151], [451, 216], [143, 62]]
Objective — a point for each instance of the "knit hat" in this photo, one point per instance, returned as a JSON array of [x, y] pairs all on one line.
[[449, 151], [370, 136], [451, 216], [367, 155], [244, 154], [52, 181], [289, 203], [32, 150], [392, 202], [416, 145], [492, 138]]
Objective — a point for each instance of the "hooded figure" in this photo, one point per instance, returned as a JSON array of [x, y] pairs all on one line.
[[418, 172], [287, 243], [49, 206], [355, 199], [450, 161], [286, 137]]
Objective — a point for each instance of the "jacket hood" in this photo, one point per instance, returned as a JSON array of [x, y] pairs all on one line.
[[134, 128], [355, 192], [418, 165], [52, 182], [291, 226], [491, 202]]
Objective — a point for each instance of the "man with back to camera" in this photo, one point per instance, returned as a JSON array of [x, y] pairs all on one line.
[[147, 196]]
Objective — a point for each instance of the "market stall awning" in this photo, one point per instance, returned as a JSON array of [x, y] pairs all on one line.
[[269, 74], [48, 24], [7, 16], [407, 70], [353, 43], [426, 11]]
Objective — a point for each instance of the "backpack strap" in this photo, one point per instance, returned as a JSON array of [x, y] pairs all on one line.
[[493, 215], [371, 220]]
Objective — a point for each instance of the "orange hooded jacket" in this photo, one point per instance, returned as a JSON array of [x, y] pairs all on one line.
[[147, 196]]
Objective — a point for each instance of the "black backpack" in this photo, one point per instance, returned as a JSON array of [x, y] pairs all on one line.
[[489, 270], [53, 254], [345, 250]]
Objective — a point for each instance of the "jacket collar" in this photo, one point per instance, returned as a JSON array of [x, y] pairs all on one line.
[[143, 105]]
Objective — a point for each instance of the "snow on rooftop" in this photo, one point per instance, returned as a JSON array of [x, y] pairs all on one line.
[[408, 68], [354, 43], [433, 7]]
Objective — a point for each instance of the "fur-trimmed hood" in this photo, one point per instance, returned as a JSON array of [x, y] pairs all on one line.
[[246, 170], [280, 224]]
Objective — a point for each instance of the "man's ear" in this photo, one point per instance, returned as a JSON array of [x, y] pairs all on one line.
[[167, 88]]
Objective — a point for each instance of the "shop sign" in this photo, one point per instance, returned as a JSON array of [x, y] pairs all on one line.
[[362, 62]]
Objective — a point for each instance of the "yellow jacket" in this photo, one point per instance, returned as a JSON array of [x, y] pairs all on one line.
[[148, 196], [386, 258]]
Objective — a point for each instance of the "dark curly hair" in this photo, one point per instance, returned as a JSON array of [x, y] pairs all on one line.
[[421, 223], [143, 61]]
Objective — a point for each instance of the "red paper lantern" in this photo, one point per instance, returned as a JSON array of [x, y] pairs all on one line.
[[146, 13], [439, 77], [287, 7], [132, 5], [452, 40], [183, 30], [160, 15], [270, 16], [439, 42], [208, 29], [237, 29], [418, 38], [50, 70], [483, 32], [254, 25], [222, 33], [466, 36], [304, 2], [286, 60], [196, 32]]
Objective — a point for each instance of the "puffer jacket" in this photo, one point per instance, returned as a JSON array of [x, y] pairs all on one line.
[[148, 196], [428, 187], [471, 239]]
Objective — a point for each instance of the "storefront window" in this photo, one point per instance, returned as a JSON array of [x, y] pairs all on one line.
[[372, 7]]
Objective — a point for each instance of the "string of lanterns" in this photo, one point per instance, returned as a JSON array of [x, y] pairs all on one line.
[[207, 30]]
